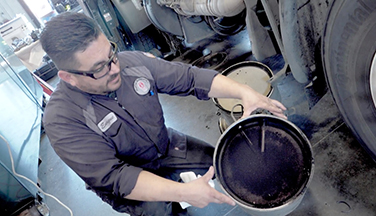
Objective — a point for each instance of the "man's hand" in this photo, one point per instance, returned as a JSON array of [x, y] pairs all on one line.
[[252, 100], [224, 87], [199, 193]]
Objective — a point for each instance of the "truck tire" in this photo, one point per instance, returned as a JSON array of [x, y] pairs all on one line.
[[348, 52]]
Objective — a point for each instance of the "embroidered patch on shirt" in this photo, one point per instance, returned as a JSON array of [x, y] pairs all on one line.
[[141, 86], [107, 121]]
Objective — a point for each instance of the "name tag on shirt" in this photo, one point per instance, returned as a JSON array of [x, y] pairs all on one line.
[[107, 121]]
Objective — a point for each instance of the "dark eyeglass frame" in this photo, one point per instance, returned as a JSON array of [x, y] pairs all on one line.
[[113, 59]]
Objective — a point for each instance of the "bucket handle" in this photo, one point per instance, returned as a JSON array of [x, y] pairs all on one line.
[[232, 111]]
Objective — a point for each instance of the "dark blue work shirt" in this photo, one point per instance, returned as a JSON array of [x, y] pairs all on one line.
[[108, 140]]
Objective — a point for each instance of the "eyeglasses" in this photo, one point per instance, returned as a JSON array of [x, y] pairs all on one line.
[[100, 72]]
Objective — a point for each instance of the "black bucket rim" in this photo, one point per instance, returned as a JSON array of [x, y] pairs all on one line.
[[258, 117]]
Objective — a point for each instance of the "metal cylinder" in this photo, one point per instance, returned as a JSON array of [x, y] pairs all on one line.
[[220, 8], [265, 163]]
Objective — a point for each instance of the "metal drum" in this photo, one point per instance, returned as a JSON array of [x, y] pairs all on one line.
[[265, 164], [212, 61]]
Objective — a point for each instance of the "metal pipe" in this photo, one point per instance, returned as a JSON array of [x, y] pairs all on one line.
[[220, 8]]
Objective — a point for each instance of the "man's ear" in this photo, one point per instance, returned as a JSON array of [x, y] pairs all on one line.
[[67, 77]]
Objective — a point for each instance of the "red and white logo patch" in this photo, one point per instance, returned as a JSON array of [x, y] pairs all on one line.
[[141, 86]]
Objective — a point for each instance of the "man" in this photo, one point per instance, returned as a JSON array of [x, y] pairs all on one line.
[[104, 120]]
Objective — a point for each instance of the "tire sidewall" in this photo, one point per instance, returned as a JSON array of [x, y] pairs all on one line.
[[349, 44]]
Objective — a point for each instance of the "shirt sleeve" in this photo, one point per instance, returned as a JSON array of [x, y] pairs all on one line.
[[86, 152], [178, 78]]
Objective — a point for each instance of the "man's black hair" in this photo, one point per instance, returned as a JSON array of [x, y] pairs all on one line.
[[65, 35]]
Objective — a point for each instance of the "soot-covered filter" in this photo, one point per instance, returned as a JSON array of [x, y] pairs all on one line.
[[265, 164]]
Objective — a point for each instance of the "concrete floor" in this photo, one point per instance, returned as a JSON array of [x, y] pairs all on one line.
[[343, 181]]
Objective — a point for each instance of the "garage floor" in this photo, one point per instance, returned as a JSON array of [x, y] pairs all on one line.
[[343, 181]]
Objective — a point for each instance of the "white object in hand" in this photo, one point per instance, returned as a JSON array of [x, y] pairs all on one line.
[[190, 176]]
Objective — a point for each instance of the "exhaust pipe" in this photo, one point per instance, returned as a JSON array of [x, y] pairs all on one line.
[[219, 8]]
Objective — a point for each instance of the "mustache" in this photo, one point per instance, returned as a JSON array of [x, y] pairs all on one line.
[[113, 76]]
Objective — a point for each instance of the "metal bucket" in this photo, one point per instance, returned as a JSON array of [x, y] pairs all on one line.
[[211, 61], [265, 164], [251, 73]]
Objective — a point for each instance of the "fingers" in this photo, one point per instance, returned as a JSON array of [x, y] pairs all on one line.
[[278, 104], [221, 198], [277, 108], [217, 196], [209, 174], [274, 106]]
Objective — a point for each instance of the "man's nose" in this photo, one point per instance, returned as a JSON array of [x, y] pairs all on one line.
[[115, 68]]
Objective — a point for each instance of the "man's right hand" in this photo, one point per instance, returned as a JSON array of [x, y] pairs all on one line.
[[199, 193], [150, 187]]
